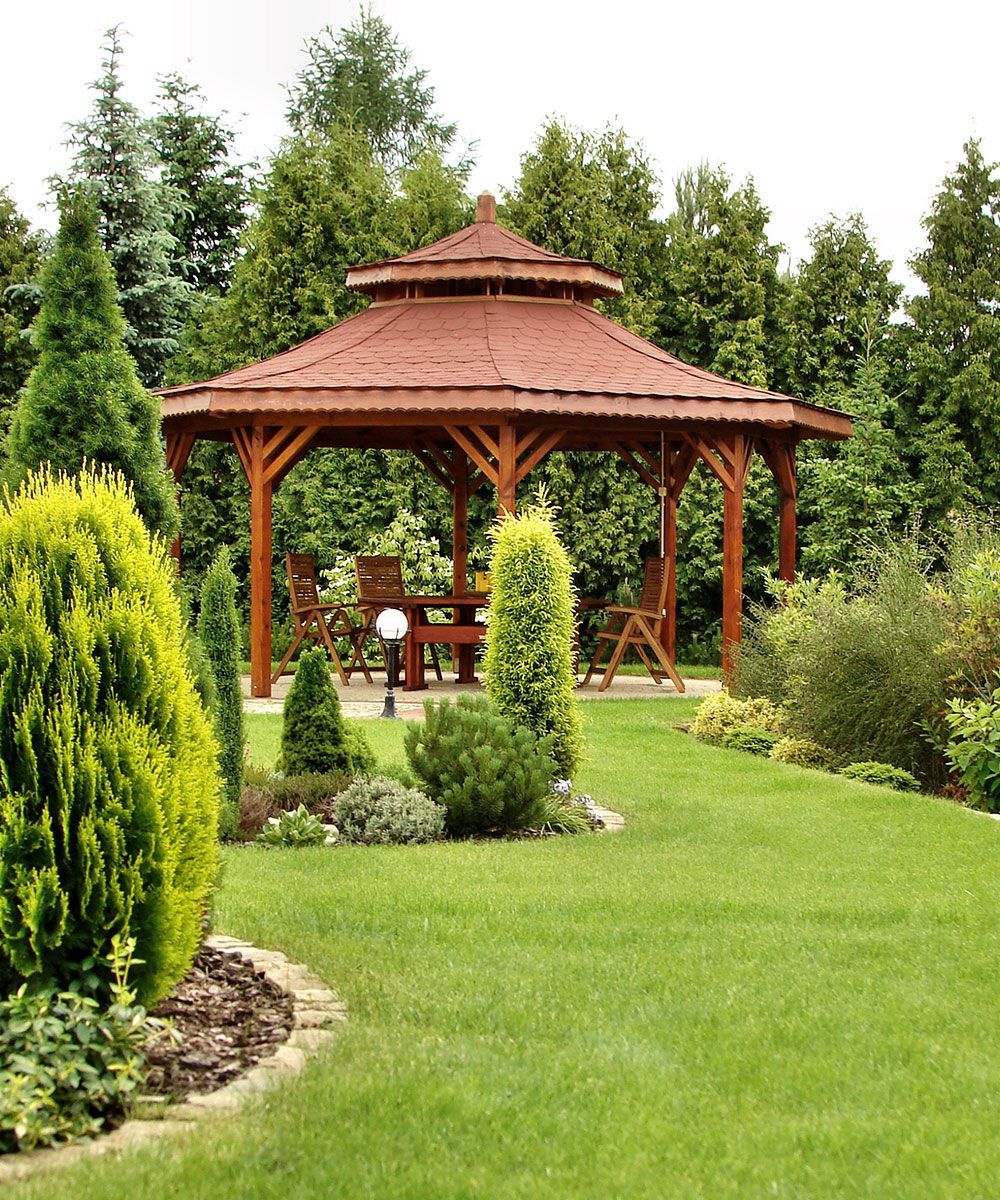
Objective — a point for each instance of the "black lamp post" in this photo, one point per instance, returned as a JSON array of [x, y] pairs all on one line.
[[391, 625]]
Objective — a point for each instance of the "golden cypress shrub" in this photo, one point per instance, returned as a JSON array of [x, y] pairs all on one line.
[[109, 787]]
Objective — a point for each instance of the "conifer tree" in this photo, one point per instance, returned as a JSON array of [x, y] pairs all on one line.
[[83, 401], [219, 631], [137, 212], [195, 151], [20, 256], [953, 398], [314, 738]]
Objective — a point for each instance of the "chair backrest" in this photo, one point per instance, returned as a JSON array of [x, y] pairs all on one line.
[[654, 587], [379, 576], [301, 570]]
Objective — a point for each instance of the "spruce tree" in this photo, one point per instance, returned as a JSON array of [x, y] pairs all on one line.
[[137, 212], [953, 397], [20, 256], [314, 737], [83, 401], [219, 632], [195, 151]]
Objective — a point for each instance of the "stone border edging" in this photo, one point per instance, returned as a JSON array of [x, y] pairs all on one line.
[[613, 822], [316, 1011]]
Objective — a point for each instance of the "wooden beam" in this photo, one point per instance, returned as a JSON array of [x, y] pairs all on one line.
[[178, 451], [640, 468], [242, 439], [423, 456], [277, 467], [738, 448], [684, 459], [260, 568], [488, 444], [461, 438], [543, 448], [507, 469]]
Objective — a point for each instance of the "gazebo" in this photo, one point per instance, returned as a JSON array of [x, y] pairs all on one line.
[[481, 354]]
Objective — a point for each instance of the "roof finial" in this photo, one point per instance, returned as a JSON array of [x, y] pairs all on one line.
[[486, 209]]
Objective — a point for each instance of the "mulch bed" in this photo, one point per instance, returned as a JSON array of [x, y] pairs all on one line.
[[228, 1017]]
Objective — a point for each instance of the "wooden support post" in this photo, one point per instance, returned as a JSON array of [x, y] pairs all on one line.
[[460, 523], [260, 568], [670, 556], [786, 520], [507, 469], [732, 553]]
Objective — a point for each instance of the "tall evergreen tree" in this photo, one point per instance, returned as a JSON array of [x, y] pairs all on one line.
[[837, 311], [196, 152], [137, 211], [83, 401], [20, 257], [953, 400], [361, 77]]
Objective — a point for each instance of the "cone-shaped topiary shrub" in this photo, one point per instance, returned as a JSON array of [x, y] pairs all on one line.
[[219, 631], [528, 669], [108, 779], [83, 400], [314, 736], [490, 775]]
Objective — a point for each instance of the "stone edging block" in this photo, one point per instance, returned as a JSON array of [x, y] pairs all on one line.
[[316, 1012]]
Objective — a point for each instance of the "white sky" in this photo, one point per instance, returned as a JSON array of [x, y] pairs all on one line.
[[833, 108]]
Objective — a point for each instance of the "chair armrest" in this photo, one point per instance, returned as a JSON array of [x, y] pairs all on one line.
[[635, 612]]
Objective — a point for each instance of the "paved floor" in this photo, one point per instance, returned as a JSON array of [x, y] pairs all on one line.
[[362, 699]]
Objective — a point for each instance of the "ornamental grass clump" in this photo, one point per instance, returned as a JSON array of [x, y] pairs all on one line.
[[315, 739], [219, 633], [528, 669], [490, 776], [109, 787]]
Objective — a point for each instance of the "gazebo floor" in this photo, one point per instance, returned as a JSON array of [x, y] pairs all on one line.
[[363, 699]]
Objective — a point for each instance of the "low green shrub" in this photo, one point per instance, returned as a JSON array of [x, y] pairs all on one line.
[[723, 713], [528, 669], [751, 740], [973, 748], [489, 776], [294, 829], [802, 752], [883, 774], [315, 738], [267, 795], [109, 786], [381, 811], [70, 1063]]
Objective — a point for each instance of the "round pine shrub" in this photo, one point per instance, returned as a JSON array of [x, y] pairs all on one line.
[[801, 752], [109, 787], [219, 633], [751, 740], [315, 738], [528, 669], [722, 714], [882, 774], [382, 811], [489, 775]]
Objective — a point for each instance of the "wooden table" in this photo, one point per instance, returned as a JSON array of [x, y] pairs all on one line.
[[464, 632]]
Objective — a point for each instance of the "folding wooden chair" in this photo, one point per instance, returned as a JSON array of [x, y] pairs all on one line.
[[380, 585], [641, 627], [320, 622]]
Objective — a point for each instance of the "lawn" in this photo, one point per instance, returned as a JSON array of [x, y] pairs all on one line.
[[773, 983]]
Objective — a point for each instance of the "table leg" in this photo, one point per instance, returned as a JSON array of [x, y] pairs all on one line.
[[467, 663]]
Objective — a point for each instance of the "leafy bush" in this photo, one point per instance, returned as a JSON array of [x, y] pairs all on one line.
[[883, 774], [972, 646], [381, 811], [802, 752], [528, 669], [295, 829], [722, 713], [860, 671], [267, 795], [70, 1065], [751, 740], [315, 739], [219, 631], [108, 778], [489, 776], [973, 748]]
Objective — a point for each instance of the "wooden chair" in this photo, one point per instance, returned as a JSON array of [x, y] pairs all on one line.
[[320, 622], [641, 627], [380, 585]]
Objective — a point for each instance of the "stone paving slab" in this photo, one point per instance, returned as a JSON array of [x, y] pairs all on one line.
[[361, 699]]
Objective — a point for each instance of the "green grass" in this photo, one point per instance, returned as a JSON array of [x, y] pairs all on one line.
[[773, 983]]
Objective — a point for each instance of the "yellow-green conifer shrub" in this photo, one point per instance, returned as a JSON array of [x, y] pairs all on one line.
[[528, 670], [109, 788]]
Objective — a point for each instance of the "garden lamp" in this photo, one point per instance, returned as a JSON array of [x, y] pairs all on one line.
[[391, 626]]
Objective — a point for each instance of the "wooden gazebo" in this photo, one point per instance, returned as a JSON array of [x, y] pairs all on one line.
[[481, 354]]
